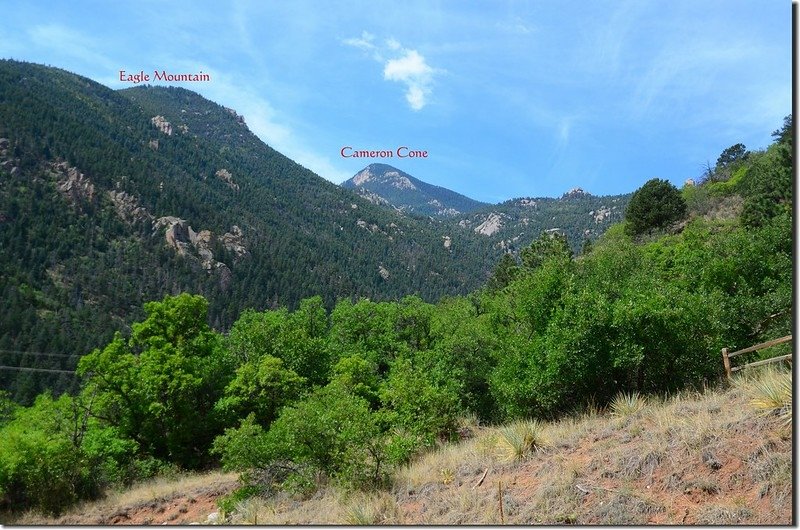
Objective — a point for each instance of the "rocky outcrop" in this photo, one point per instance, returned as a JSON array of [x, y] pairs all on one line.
[[239, 118], [601, 214], [366, 226], [492, 224], [233, 241], [127, 207], [225, 176], [162, 124], [575, 193], [374, 198], [73, 184], [179, 235]]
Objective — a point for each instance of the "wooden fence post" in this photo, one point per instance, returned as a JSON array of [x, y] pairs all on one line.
[[500, 498], [727, 362]]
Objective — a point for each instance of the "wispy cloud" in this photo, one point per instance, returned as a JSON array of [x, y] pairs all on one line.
[[365, 43], [403, 65], [681, 74], [67, 42], [516, 25]]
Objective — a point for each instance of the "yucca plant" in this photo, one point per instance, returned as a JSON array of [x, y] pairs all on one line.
[[771, 393], [624, 404], [517, 441], [372, 509]]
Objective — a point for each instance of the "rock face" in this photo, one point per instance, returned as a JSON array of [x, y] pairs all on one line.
[[198, 245], [225, 176], [492, 224], [75, 186], [127, 207], [162, 124]]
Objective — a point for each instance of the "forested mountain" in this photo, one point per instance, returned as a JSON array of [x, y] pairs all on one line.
[[514, 224], [387, 185], [508, 226], [109, 199]]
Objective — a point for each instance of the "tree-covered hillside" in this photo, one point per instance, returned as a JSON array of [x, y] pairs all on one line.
[[109, 199], [295, 399], [514, 224]]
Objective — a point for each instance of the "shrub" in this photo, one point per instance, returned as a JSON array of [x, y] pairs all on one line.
[[331, 433], [627, 404], [655, 205], [413, 402]]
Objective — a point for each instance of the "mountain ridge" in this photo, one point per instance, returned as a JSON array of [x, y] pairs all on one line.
[[385, 184], [509, 225], [110, 199]]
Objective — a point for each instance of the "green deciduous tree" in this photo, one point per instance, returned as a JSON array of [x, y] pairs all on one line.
[[262, 387], [160, 386]]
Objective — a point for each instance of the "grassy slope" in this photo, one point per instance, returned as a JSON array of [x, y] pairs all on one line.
[[693, 458]]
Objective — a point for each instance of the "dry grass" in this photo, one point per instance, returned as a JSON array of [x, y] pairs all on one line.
[[697, 457], [771, 393], [149, 495]]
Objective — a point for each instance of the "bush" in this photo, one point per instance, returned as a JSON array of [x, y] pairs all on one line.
[[655, 205], [50, 458], [413, 402], [331, 433]]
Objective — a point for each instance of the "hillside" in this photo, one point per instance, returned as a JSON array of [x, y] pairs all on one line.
[[707, 459], [110, 199], [386, 185], [507, 227], [514, 224]]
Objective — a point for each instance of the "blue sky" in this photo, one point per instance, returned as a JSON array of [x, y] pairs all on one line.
[[510, 99]]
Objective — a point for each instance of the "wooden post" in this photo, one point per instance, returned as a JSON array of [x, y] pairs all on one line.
[[500, 497], [727, 362]]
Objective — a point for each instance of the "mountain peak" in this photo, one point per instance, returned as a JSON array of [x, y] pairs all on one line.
[[576, 193], [385, 174], [387, 185]]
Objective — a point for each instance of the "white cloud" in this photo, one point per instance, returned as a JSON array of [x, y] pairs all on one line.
[[392, 44], [410, 66], [405, 66], [414, 72]]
